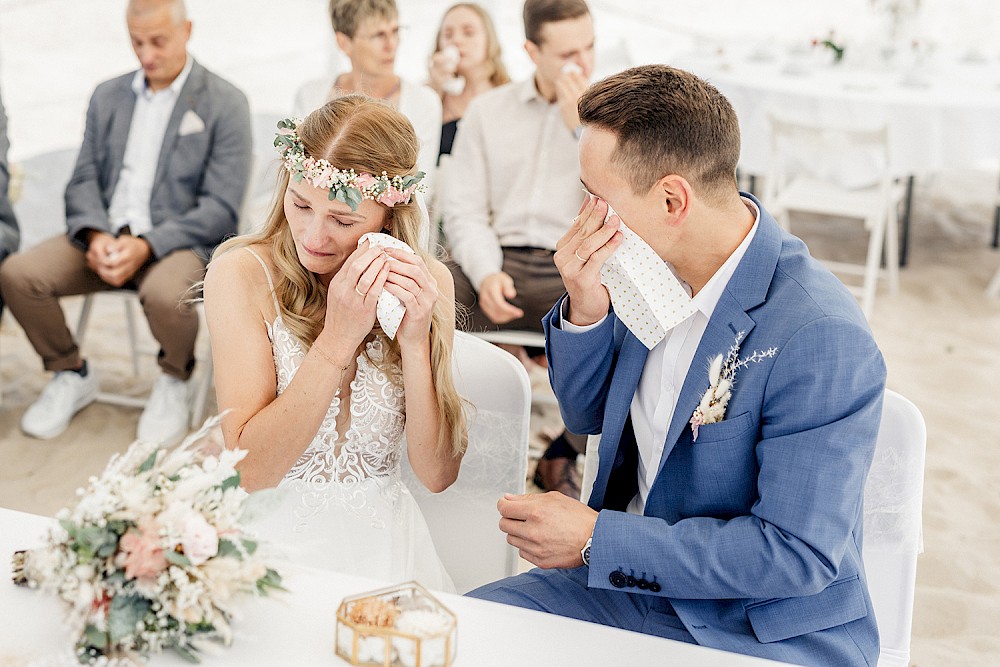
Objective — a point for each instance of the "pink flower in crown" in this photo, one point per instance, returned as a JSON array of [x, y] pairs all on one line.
[[364, 181], [144, 557], [321, 177], [286, 131], [392, 196]]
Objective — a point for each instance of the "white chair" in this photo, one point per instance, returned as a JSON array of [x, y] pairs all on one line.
[[463, 519], [892, 534], [521, 338], [809, 165], [893, 498]]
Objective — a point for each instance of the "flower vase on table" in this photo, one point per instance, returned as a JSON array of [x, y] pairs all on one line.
[[153, 555]]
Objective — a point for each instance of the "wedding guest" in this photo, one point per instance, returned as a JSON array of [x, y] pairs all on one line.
[[157, 184], [727, 507], [368, 33], [296, 342], [10, 234], [466, 62], [514, 184]]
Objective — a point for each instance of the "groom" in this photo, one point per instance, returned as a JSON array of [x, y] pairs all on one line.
[[742, 534]]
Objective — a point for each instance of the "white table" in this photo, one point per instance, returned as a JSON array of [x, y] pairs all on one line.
[[941, 114], [297, 629]]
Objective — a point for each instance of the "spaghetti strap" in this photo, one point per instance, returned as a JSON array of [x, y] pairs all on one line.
[[270, 283]]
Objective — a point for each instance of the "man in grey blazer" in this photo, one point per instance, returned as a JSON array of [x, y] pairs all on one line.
[[158, 183], [9, 233]]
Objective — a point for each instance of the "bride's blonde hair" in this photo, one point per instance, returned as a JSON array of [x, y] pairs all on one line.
[[359, 133]]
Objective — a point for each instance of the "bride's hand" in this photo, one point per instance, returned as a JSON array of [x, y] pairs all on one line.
[[410, 281], [352, 298]]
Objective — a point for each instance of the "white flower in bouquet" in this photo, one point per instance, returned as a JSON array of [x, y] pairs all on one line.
[[153, 556]]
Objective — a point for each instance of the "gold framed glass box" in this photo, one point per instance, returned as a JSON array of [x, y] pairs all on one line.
[[399, 626]]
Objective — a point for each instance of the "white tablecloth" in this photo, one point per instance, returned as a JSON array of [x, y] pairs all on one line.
[[298, 628], [942, 113]]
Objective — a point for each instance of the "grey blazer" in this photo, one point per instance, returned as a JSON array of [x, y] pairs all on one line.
[[200, 177], [10, 234]]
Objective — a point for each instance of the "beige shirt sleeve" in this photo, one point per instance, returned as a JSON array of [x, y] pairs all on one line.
[[468, 218]]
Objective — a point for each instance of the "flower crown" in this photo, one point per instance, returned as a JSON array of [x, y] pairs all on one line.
[[346, 186]]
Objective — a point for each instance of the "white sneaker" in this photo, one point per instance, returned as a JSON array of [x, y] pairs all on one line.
[[168, 413], [67, 393]]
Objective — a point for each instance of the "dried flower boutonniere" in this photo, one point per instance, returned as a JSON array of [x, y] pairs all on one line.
[[721, 375]]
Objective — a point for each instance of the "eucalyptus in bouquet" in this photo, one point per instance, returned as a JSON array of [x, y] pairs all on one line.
[[153, 556]]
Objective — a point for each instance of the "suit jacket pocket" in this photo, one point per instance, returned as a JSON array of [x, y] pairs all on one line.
[[727, 429], [839, 603]]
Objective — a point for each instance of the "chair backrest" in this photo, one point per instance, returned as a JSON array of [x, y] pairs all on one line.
[[463, 519], [892, 524], [851, 157]]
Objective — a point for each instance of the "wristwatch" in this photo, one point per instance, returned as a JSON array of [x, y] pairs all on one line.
[[585, 551]]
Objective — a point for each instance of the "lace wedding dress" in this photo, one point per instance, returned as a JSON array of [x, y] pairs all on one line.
[[343, 505]]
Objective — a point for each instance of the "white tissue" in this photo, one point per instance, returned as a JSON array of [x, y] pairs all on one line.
[[645, 293], [390, 309], [571, 68]]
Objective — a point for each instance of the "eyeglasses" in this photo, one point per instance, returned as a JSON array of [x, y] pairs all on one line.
[[383, 36]]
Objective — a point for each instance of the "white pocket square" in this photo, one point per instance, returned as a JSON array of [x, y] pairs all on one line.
[[191, 123]]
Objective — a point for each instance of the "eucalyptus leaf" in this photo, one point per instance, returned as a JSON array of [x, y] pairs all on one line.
[[96, 638], [175, 558], [148, 464], [125, 612], [231, 482]]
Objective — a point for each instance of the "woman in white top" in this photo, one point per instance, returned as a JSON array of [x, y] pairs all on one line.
[[367, 32], [292, 316], [466, 62]]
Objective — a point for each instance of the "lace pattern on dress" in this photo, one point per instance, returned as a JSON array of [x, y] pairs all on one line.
[[340, 471], [334, 470]]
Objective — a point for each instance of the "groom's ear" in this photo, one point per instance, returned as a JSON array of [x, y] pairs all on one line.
[[676, 196]]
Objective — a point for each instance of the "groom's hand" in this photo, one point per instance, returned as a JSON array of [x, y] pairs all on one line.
[[580, 254], [549, 529]]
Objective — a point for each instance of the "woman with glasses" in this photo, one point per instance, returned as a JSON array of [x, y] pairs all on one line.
[[367, 32]]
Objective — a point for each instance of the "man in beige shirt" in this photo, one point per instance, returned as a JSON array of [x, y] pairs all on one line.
[[514, 187]]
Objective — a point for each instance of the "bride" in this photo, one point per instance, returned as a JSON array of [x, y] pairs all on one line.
[[307, 381]]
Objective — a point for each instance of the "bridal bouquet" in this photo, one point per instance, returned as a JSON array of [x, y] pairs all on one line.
[[153, 556]]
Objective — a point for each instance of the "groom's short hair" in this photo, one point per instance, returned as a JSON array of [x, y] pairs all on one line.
[[667, 121], [536, 13]]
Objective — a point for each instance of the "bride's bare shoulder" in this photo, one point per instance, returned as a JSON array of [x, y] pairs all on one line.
[[239, 269]]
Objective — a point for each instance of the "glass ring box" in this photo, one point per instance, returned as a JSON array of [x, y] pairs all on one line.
[[399, 626]]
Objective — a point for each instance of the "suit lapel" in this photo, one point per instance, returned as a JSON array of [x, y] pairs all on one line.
[[120, 123], [746, 290], [185, 102]]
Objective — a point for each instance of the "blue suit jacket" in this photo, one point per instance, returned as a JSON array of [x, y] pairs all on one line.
[[754, 530]]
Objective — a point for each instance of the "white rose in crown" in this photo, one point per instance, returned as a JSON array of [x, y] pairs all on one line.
[[721, 375]]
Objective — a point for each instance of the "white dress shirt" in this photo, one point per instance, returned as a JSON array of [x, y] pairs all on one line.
[[666, 367], [513, 178], [130, 201]]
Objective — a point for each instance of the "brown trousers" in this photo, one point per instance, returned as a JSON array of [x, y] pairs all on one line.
[[33, 281], [536, 280]]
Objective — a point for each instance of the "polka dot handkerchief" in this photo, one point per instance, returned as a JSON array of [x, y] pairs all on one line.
[[390, 310], [646, 295]]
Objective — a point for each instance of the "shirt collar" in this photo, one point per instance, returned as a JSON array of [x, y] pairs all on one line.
[[528, 91], [139, 86], [708, 298]]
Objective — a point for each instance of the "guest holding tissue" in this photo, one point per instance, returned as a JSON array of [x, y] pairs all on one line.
[[738, 403], [514, 187], [332, 334], [466, 62]]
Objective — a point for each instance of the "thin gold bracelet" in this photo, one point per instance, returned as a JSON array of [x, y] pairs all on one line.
[[343, 369]]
